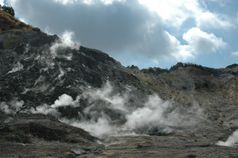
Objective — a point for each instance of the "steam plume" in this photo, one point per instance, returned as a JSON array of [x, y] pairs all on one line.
[[231, 141]]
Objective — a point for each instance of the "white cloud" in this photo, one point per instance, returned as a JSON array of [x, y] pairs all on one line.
[[65, 2], [237, 18], [208, 19], [235, 54], [203, 42], [184, 53], [108, 2], [197, 42], [125, 27], [88, 2], [179, 51], [171, 11], [175, 13]]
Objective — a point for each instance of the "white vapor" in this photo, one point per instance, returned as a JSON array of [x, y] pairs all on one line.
[[151, 113], [232, 140], [46, 110], [100, 124], [11, 107], [64, 100], [155, 113], [99, 128], [66, 41], [117, 101], [105, 111], [17, 67]]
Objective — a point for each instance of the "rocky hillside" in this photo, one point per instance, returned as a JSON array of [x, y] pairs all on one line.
[[48, 86]]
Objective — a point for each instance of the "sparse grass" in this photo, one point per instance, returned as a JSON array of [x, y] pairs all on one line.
[[8, 22], [148, 79]]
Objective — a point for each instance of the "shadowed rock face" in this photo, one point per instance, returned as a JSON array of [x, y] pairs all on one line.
[[27, 135], [30, 72], [32, 75]]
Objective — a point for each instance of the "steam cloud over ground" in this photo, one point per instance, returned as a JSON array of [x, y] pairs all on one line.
[[231, 141], [108, 112], [66, 41]]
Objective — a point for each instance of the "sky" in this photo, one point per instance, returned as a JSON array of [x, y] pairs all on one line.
[[146, 33]]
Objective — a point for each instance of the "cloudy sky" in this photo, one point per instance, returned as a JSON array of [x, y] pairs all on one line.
[[146, 33]]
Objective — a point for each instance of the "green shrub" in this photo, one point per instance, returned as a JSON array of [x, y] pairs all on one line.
[[9, 10]]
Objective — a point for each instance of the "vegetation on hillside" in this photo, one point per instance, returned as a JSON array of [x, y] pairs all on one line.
[[9, 22], [8, 10]]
